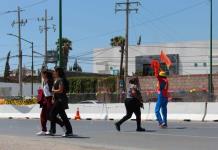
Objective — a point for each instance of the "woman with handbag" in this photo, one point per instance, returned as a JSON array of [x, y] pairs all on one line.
[[133, 104], [60, 88], [45, 101]]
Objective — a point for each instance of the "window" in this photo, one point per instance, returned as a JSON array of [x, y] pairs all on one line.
[[196, 64], [147, 70], [205, 64]]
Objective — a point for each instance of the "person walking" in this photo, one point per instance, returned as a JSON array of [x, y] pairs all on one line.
[[60, 88], [162, 100], [46, 103], [133, 104]]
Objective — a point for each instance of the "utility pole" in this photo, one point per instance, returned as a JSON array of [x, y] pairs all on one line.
[[211, 49], [60, 34], [127, 7], [32, 69], [20, 23], [45, 29], [210, 80]]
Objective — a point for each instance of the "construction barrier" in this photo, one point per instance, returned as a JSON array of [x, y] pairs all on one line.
[[212, 112], [176, 111]]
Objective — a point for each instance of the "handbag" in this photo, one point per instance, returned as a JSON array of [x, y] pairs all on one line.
[[40, 96]]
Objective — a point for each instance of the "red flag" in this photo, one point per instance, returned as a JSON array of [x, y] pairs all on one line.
[[155, 65], [164, 58]]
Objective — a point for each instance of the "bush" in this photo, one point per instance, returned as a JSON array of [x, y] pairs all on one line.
[[2, 101], [91, 84], [21, 102], [83, 84], [18, 102], [108, 83]]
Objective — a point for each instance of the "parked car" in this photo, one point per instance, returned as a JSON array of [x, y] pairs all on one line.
[[90, 102]]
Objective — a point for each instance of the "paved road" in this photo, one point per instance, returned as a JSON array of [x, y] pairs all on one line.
[[96, 135]]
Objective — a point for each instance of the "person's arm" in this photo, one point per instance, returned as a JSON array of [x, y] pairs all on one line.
[[60, 88]]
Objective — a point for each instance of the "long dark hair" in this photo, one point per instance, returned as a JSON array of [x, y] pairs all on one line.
[[61, 74], [49, 76]]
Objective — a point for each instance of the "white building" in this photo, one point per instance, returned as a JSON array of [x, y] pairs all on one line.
[[188, 57]]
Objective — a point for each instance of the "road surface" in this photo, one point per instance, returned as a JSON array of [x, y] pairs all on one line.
[[101, 135]]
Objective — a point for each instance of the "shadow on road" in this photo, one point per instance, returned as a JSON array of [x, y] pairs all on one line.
[[73, 137], [147, 131], [177, 128]]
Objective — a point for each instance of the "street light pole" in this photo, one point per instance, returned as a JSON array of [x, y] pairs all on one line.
[[60, 34]]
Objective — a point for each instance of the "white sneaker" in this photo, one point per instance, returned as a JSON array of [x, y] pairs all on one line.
[[41, 133], [47, 133]]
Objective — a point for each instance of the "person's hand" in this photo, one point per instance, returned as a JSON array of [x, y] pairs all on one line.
[[52, 101]]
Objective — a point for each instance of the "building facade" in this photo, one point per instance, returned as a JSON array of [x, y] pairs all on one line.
[[187, 58]]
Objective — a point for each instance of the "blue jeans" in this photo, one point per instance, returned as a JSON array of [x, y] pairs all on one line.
[[161, 104]]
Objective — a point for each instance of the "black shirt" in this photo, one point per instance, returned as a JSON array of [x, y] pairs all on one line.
[[60, 97]]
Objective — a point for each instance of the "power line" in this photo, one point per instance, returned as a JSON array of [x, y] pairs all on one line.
[[148, 21], [35, 4], [171, 14]]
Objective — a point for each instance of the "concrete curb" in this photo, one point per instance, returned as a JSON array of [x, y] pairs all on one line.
[[176, 111]]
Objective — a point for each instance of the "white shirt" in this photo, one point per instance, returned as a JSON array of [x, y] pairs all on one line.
[[46, 91], [130, 86]]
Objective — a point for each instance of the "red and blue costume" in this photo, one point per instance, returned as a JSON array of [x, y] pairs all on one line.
[[162, 101]]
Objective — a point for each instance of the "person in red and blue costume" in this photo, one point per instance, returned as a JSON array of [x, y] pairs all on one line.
[[162, 101]]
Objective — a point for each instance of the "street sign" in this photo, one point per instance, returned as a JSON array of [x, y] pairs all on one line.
[[52, 56]]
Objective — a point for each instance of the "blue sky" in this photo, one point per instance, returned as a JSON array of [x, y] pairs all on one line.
[[92, 23]]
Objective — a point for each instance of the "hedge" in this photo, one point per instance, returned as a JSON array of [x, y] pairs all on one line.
[[91, 84]]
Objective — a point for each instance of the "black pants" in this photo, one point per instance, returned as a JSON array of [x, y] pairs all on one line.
[[58, 109], [132, 106]]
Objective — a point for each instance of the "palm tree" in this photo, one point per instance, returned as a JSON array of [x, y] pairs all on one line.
[[119, 41], [65, 47]]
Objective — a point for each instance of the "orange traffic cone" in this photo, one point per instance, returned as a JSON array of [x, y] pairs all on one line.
[[77, 117]]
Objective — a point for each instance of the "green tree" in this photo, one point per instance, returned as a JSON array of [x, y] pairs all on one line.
[[7, 66], [119, 41], [65, 48]]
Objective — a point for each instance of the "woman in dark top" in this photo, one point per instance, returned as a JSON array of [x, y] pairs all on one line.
[[60, 88], [132, 103]]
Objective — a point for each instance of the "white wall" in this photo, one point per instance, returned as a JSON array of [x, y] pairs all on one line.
[[189, 53], [14, 89]]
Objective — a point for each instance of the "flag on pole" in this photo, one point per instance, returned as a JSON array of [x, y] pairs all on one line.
[[155, 65], [164, 58]]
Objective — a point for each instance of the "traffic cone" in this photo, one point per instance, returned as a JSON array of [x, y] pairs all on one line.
[[77, 117]]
